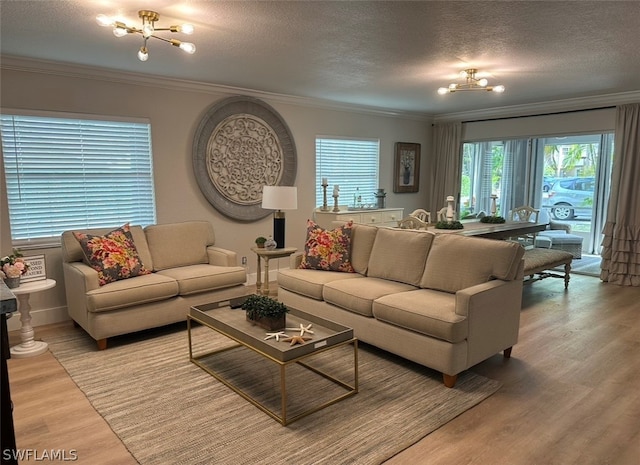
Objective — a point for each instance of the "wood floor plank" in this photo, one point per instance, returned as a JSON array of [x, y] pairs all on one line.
[[569, 396]]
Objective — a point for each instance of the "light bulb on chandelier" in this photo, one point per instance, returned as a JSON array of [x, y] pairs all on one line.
[[148, 31], [471, 83]]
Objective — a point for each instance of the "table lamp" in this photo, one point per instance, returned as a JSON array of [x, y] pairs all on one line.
[[279, 198]]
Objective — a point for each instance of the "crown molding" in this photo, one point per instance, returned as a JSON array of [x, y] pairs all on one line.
[[542, 108], [56, 68]]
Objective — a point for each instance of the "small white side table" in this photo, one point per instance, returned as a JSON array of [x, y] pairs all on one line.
[[29, 347]]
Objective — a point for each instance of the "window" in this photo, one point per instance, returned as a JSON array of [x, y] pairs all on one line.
[[499, 168], [351, 164], [567, 177], [69, 173]]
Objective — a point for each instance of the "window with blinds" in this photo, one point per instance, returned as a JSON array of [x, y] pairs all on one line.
[[352, 164], [70, 173]]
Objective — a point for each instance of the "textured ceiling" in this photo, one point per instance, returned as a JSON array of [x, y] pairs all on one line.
[[390, 55]]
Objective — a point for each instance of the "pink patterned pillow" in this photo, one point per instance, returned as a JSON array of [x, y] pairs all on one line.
[[114, 256], [328, 250]]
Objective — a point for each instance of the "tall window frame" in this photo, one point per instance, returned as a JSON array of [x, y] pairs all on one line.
[[351, 163], [67, 171]]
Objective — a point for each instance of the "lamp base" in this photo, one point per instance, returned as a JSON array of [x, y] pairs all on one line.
[[278, 229]]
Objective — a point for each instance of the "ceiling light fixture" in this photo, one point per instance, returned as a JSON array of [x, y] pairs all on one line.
[[471, 83], [148, 31]]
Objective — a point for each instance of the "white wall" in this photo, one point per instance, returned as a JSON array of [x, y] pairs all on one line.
[[175, 109]]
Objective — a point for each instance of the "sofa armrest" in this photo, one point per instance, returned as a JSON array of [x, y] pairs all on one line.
[[295, 260], [221, 257], [493, 317], [79, 278]]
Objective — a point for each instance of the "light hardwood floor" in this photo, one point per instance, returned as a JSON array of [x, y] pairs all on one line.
[[570, 394]]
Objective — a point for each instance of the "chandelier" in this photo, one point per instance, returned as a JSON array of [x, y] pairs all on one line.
[[148, 31], [471, 83]]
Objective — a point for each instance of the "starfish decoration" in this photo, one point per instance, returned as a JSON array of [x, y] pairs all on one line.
[[296, 340], [275, 336], [303, 329]]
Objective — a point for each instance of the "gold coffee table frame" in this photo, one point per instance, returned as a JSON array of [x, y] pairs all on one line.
[[229, 322]]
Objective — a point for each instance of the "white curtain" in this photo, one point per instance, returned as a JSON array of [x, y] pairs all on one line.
[[514, 172], [446, 166], [621, 244]]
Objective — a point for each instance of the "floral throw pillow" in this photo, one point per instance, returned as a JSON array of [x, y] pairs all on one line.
[[328, 250], [114, 256]]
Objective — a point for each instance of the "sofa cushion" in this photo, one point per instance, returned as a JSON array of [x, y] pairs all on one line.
[[357, 295], [362, 238], [328, 250], [309, 282], [399, 255], [457, 262], [424, 311], [179, 244], [131, 292], [193, 279], [114, 256]]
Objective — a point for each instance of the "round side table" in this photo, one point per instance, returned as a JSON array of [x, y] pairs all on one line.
[[29, 347], [266, 255]]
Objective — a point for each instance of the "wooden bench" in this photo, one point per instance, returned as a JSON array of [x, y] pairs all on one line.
[[539, 264]]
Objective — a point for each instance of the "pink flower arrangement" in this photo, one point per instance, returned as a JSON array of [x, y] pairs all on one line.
[[13, 266]]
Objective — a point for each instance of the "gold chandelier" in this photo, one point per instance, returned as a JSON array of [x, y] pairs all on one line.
[[148, 31], [471, 83]]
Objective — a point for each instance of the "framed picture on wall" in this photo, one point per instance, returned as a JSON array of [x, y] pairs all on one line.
[[406, 173]]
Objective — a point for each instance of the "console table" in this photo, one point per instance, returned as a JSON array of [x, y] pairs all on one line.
[[29, 347], [378, 217]]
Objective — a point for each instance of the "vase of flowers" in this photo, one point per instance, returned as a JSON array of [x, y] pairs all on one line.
[[11, 268]]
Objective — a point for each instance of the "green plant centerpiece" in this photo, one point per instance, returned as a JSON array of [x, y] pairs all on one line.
[[265, 312], [492, 219], [260, 241], [449, 225]]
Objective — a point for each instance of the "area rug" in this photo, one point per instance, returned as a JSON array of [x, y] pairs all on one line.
[[588, 265], [167, 410]]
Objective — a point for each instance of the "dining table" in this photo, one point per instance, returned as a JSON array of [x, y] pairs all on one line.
[[493, 230]]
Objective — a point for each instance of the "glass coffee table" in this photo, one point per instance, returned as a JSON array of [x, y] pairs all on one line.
[[228, 319]]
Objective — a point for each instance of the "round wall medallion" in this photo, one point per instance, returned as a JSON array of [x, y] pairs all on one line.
[[241, 145]]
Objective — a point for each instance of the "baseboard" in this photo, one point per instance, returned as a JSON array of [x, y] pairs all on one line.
[[45, 316]]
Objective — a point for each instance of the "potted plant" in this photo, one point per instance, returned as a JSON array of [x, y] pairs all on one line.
[[492, 219], [265, 312], [449, 225], [260, 240]]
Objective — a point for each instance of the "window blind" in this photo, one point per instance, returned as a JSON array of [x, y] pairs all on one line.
[[353, 164], [70, 173]]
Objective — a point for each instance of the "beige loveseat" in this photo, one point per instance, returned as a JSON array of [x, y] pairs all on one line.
[[187, 269], [445, 301]]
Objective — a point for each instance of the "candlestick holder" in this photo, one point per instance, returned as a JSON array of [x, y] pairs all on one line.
[[494, 207], [450, 210], [325, 207], [335, 203]]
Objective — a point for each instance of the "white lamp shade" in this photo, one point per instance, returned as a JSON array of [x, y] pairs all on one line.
[[280, 197]]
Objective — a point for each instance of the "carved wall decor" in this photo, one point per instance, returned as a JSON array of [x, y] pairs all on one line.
[[240, 145]]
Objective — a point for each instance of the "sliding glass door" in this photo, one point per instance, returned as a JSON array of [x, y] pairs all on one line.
[[568, 177], [577, 172]]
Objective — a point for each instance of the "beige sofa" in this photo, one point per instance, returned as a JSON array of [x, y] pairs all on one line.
[[187, 269], [445, 301]]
